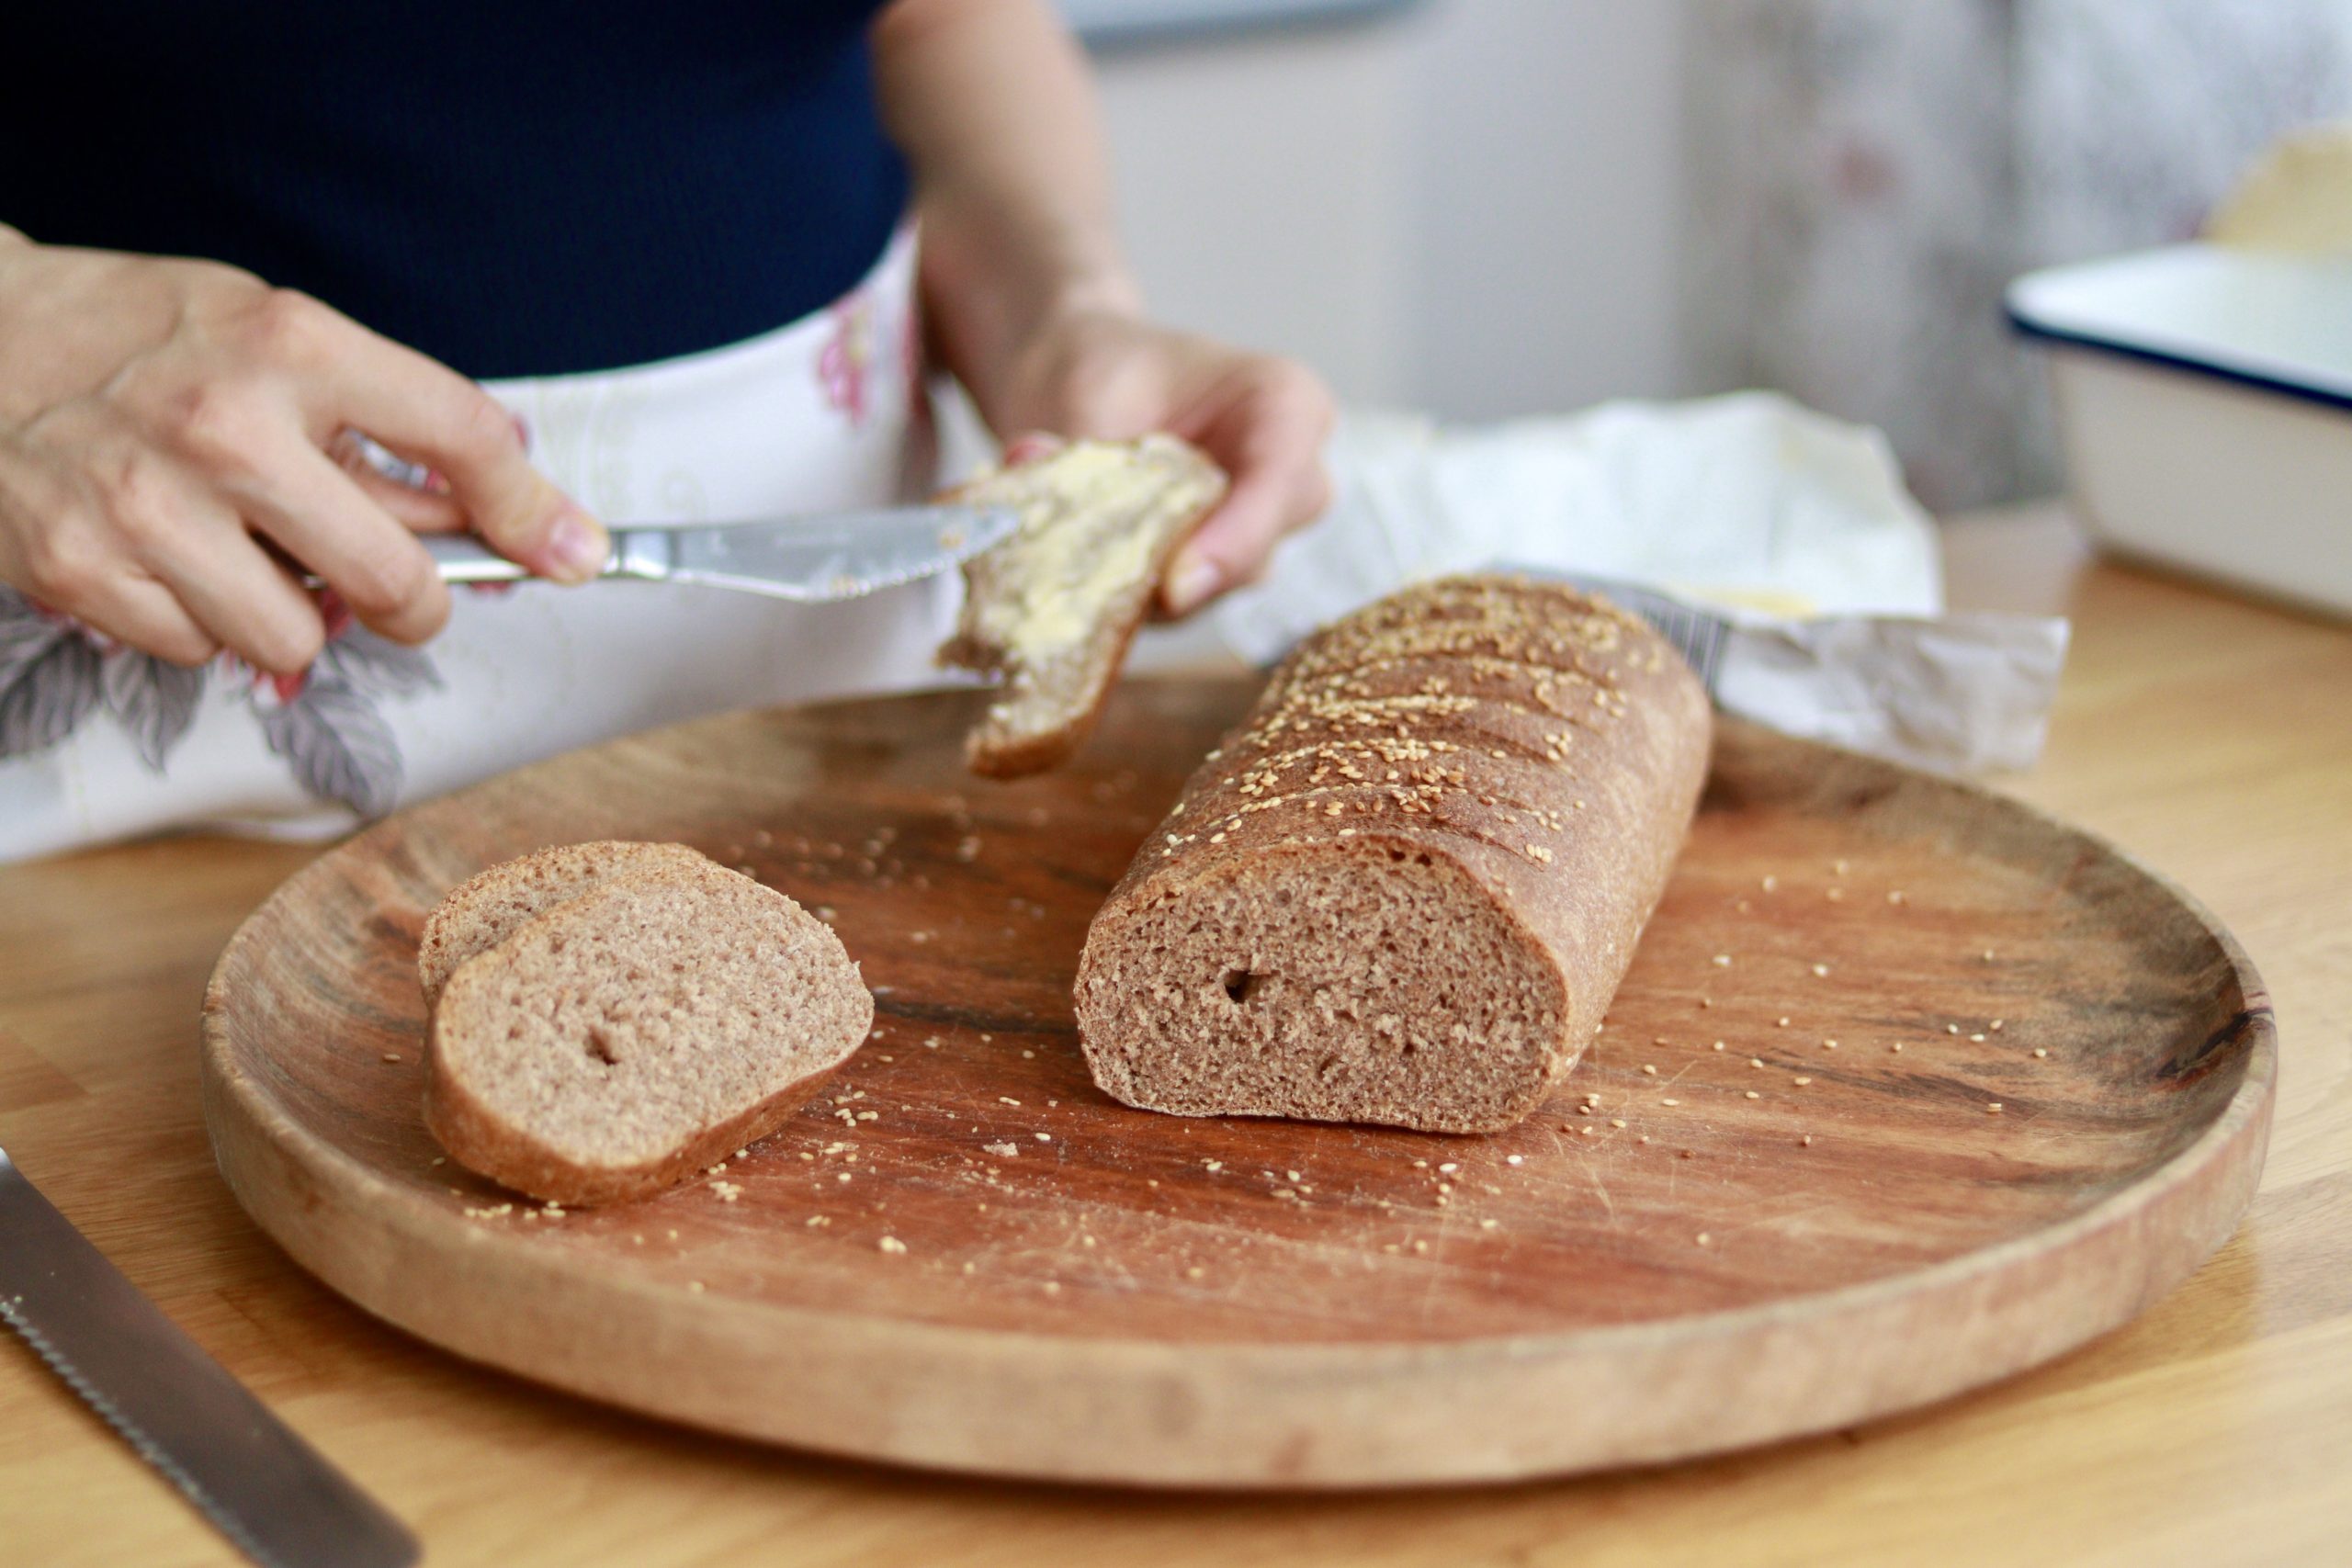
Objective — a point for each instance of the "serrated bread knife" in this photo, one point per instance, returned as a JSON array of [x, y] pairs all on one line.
[[840, 555], [268, 1491]]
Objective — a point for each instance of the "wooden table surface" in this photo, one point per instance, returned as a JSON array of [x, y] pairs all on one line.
[[2211, 737]]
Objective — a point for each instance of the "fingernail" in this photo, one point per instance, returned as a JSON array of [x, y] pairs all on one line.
[[1190, 582], [1029, 448], [576, 547]]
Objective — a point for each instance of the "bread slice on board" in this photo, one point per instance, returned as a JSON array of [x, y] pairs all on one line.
[[483, 910], [639, 1033], [1404, 890], [1053, 608]]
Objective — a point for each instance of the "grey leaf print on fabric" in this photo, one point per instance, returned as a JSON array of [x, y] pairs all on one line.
[[24, 632], [377, 664], [155, 700], [49, 678], [337, 744]]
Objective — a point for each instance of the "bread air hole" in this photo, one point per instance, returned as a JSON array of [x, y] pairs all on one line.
[[600, 1045], [1239, 984]]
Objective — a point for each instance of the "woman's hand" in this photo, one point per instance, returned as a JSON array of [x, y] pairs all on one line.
[[1030, 301], [166, 432], [1107, 373]]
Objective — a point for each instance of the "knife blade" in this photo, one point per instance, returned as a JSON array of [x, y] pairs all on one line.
[[840, 555], [264, 1487]]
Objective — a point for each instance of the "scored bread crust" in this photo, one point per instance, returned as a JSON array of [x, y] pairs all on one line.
[[1181, 486], [478, 1135], [484, 909], [1523, 757]]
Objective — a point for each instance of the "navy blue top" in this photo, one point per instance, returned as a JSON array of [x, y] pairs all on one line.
[[517, 188]]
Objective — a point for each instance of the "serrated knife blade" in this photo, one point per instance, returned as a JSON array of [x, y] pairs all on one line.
[[267, 1491], [840, 555]]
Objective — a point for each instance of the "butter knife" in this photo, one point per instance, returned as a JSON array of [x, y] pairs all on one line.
[[840, 555], [267, 1491]]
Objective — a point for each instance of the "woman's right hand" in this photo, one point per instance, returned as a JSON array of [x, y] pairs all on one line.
[[168, 432]]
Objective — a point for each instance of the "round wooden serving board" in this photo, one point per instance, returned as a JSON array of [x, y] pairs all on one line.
[[1715, 1254]]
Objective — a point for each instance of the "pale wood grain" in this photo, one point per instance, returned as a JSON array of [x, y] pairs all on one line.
[[2207, 736]]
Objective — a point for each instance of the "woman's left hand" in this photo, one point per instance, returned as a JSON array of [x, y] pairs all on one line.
[[1108, 374]]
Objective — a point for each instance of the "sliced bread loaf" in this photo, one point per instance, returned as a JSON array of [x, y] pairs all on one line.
[[1053, 608], [1404, 890], [639, 1033], [484, 909]]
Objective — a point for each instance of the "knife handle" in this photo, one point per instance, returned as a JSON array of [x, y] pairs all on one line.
[[640, 553]]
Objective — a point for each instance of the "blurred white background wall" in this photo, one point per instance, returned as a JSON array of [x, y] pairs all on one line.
[[1486, 208], [1470, 206]]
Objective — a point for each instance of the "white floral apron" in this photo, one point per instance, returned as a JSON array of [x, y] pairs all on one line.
[[101, 742]]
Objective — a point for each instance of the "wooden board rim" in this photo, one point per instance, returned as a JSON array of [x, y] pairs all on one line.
[[284, 1174]]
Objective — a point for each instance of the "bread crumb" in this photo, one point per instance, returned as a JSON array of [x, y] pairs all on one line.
[[1514, 1159], [1896, 1047], [727, 1191], [1753, 1095], [1489, 1224], [1801, 1082], [1771, 883], [1993, 1108], [1689, 1154], [1806, 1141], [1044, 1137], [1995, 1025], [673, 1235], [1895, 896], [1706, 1240], [1053, 1287], [1755, 1061], [1952, 1028], [1649, 1069], [1448, 1168], [1643, 1139], [1722, 960], [891, 1244], [2038, 1051], [1820, 971], [1197, 1272], [1006, 1100], [1706, 1001], [695, 1286], [1670, 1103], [1421, 1247], [1002, 1151], [1719, 1045], [1781, 1023], [391, 1055]]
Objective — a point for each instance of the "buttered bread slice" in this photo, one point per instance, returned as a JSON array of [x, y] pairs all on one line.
[[1054, 607]]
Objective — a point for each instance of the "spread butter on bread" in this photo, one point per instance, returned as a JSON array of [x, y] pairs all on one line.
[[1053, 608]]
